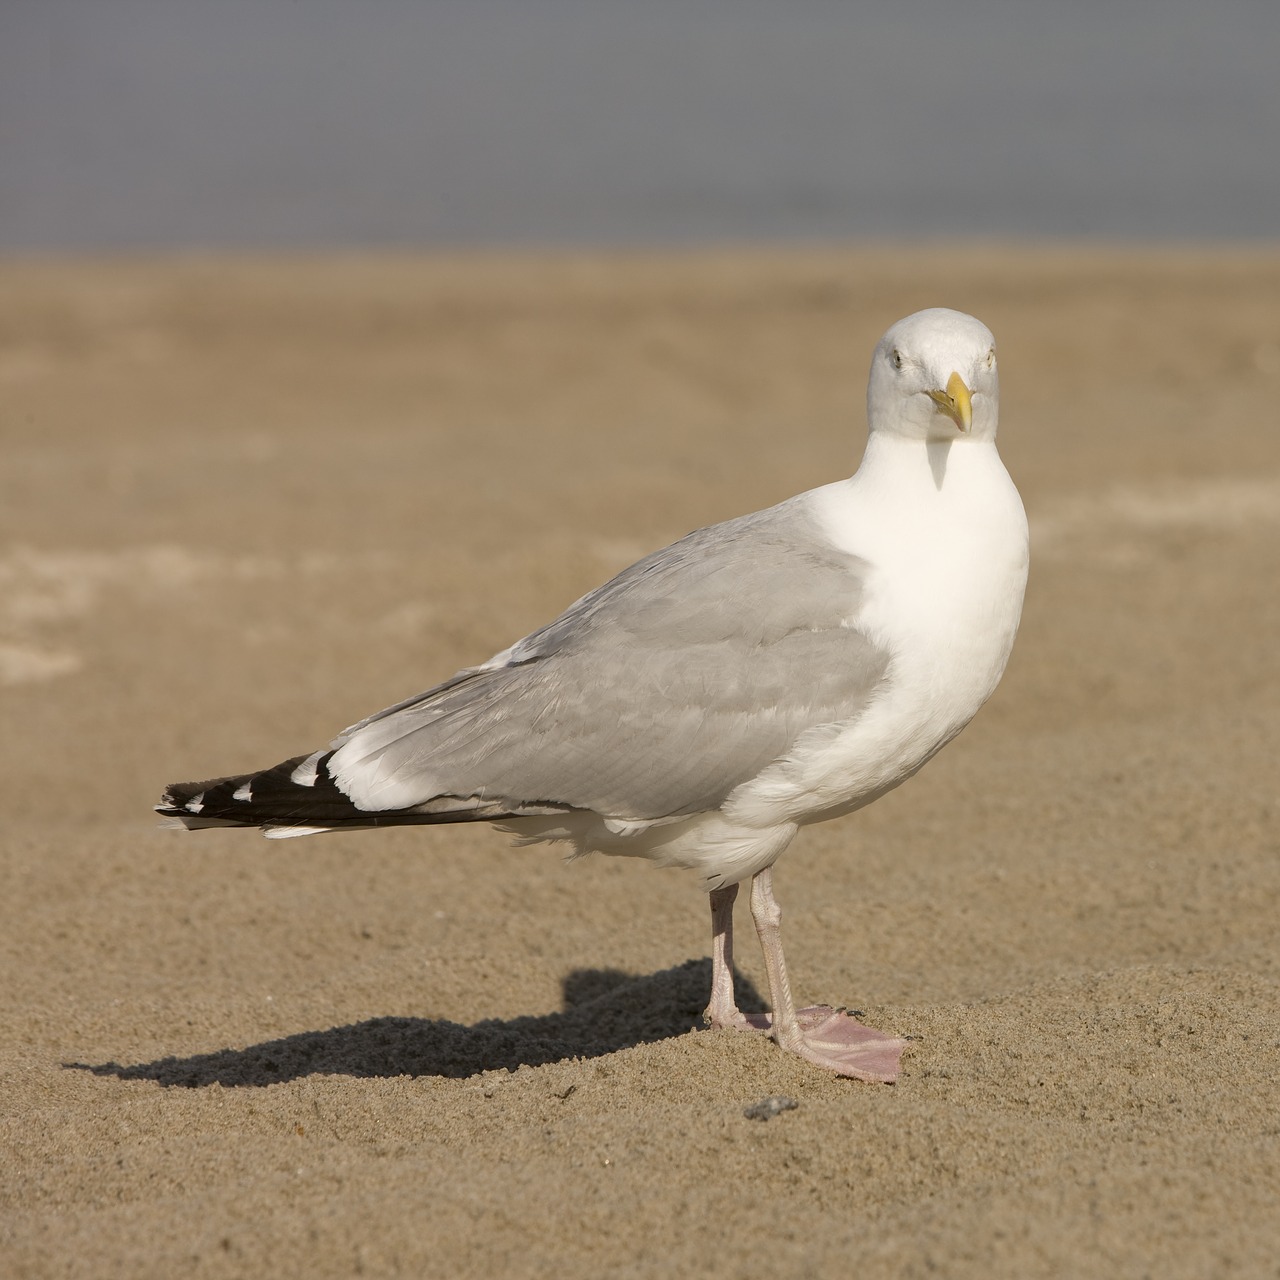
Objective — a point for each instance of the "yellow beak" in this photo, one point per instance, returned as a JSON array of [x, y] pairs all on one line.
[[955, 402]]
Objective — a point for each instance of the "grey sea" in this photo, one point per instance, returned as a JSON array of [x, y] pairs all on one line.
[[134, 124]]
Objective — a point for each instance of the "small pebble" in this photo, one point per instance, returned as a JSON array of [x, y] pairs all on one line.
[[767, 1108]]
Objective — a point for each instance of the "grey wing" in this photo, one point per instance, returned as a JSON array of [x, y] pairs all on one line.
[[654, 696]]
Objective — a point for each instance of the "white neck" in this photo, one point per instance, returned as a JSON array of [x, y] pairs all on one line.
[[904, 463], [916, 497]]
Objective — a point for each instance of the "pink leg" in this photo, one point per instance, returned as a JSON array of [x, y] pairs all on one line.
[[825, 1036], [723, 1011]]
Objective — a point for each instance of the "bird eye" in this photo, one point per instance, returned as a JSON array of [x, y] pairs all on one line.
[[896, 358], [991, 358]]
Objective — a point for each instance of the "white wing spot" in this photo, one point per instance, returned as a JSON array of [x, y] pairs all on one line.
[[244, 792], [305, 774], [195, 804]]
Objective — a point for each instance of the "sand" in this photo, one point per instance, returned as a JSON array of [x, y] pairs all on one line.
[[246, 502]]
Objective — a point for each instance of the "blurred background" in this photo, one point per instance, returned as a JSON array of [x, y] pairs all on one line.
[[181, 124]]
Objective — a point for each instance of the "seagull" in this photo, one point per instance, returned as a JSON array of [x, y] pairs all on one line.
[[757, 676]]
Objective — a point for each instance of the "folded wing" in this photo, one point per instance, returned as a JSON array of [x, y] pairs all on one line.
[[653, 696]]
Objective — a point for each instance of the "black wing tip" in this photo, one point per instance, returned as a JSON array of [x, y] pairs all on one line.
[[275, 802], [179, 820], [267, 798]]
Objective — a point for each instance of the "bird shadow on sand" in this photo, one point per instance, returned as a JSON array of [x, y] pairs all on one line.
[[604, 1010]]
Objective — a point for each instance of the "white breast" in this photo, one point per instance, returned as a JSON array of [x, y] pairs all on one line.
[[946, 547]]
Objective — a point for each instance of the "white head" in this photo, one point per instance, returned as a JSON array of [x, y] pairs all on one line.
[[933, 377]]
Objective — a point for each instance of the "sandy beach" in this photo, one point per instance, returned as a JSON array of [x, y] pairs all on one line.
[[244, 503]]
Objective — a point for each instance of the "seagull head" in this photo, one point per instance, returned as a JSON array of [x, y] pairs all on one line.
[[933, 377]]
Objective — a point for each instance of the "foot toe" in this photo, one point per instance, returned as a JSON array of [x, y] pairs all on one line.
[[839, 1043]]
